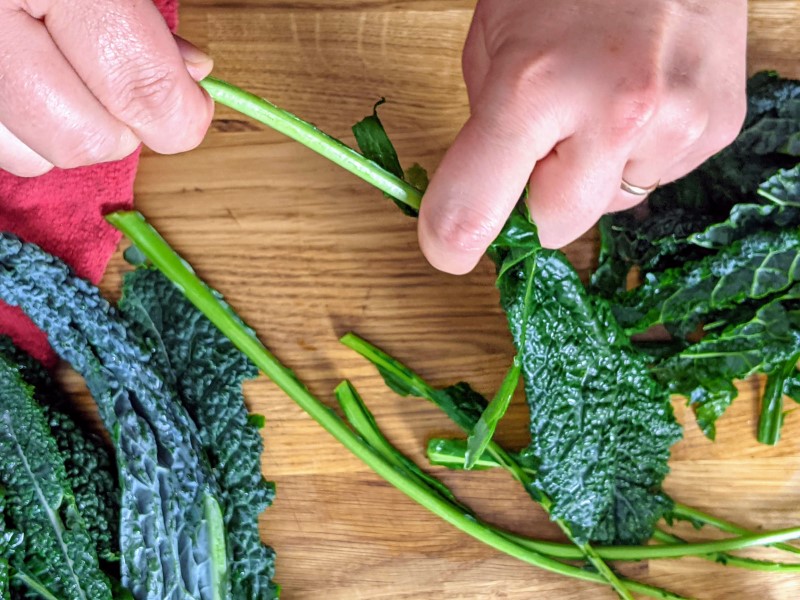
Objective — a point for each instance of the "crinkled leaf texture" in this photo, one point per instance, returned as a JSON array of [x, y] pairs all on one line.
[[704, 372], [207, 371], [601, 426], [88, 462], [754, 267], [168, 548], [58, 551], [10, 541]]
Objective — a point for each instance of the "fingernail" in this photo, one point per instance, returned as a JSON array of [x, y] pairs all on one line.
[[198, 63]]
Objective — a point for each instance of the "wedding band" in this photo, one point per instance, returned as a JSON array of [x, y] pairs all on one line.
[[636, 190]]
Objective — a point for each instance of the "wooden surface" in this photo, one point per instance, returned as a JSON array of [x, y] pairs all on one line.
[[305, 253]]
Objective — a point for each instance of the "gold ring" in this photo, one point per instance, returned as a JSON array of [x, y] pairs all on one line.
[[636, 190]]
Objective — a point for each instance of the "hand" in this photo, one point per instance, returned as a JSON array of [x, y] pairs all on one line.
[[573, 96], [85, 81]]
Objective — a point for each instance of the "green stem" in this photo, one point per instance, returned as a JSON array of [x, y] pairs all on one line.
[[34, 585], [362, 420], [731, 560], [674, 550], [450, 453], [400, 371], [301, 131], [153, 246], [692, 514], [771, 418]]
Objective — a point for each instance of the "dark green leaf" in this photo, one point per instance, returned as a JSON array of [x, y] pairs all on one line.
[[375, 145], [601, 427], [705, 372], [208, 372], [482, 433], [167, 545], [58, 549], [88, 462], [754, 267]]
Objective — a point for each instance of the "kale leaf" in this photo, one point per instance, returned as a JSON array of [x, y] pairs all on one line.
[[754, 267], [58, 551], [88, 462], [601, 426], [207, 371], [705, 371], [170, 546], [10, 540]]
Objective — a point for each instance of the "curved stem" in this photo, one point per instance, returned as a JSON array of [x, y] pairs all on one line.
[[301, 131], [156, 249], [692, 514], [730, 560], [402, 372], [673, 550]]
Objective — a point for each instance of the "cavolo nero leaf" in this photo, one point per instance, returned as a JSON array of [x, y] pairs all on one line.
[[10, 540], [375, 145], [207, 372], [168, 493], [754, 267], [601, 426], [88, 462], [57, 551], [705, 371]]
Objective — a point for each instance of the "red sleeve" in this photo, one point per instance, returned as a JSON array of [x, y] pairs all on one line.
[[62, 212]]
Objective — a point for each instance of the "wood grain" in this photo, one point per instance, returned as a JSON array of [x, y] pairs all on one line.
[[305, 253]]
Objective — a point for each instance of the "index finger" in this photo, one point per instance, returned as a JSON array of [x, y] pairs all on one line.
[[485, 171], [127, 57]]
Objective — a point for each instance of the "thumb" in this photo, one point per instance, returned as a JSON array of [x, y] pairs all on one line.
[[198, 63], [481, 178]]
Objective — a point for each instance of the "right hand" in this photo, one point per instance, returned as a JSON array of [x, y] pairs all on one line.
[[87, 81]]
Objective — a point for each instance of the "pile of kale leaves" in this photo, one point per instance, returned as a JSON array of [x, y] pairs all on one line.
[[170, 508]]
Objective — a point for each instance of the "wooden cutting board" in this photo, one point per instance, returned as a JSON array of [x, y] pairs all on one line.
[[305, 253]]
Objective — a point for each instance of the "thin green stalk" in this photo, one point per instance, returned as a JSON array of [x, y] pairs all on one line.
[[153, 246], [692, 514], [676, 550], [770, 420], [301, 131], [400, 371], [450, 453], [484, 429], [34, 585], [731, 560], [362, 420]]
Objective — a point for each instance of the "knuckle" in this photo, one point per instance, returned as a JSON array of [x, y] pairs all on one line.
[[633, 105], [465, 230], [146, 96], [92, 148]]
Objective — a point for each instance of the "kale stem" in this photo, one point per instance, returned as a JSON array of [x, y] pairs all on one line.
[[771, 418], [307, 134], [692, 514], [403, 372], [34, 585], [156, 249], [677, 549], [450, 453], [730, 560]]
